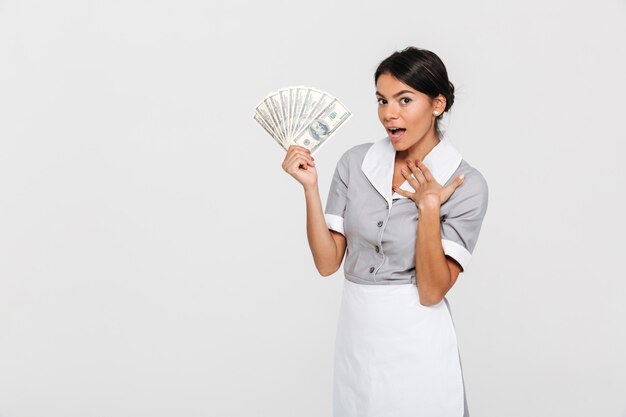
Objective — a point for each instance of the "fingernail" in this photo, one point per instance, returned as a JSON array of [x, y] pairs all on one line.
[[462, 176]]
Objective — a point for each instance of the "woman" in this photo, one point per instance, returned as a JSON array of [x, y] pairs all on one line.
[[396, 350]]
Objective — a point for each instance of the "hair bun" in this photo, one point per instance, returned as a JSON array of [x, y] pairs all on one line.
[[449, 96]]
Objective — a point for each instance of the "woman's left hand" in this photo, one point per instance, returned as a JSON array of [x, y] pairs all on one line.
[[427, 189]]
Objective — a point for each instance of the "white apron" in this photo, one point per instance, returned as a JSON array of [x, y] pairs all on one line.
[[395, 357]]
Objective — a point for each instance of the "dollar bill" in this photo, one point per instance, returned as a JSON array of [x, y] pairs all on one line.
[[276, 105], [318, 101], [283, 96], [301, 115], [323, 126], [269, 130]]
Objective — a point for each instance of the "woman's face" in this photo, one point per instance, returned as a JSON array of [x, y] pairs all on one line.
[[406, 113]]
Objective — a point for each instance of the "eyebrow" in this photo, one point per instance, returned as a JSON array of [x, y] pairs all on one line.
[[397, 94]]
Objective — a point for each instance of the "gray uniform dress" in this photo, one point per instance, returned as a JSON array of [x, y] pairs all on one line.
[[381, 229]]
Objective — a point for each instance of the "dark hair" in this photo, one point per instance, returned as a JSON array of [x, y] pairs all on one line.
[[421, 70]]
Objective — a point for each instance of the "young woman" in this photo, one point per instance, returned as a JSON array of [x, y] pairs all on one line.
[[406, 212]]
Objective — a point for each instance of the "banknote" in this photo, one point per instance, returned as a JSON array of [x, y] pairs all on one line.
[[323, 126], [269, 130], [318, 101], [302, 116], [264, 111]]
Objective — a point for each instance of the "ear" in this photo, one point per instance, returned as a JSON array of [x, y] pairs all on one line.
[[439, 103]]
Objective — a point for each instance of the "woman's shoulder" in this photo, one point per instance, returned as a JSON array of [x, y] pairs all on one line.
[[474, 182], [355, 154], [470, 172], [353, 157], [351, 160]]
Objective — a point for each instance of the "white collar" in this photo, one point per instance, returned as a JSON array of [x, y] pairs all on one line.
[[379, 160]]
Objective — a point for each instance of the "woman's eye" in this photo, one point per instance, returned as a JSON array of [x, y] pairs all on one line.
[[405, 100], [381, 101]]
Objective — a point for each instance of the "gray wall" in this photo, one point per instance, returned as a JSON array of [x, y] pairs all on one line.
[[154, 260]]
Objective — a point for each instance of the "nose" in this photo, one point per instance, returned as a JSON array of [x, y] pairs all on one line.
[[391, 112]]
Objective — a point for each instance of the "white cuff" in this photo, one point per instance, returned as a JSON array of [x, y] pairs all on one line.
[[334, 222], [458, 252]]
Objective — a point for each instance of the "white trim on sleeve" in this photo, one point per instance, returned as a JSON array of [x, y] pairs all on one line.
[[458, 252], [335, 223]]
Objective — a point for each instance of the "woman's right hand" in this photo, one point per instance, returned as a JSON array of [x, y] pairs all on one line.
[[300, 164]]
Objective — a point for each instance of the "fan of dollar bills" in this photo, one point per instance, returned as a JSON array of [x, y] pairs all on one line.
[[301, 116]]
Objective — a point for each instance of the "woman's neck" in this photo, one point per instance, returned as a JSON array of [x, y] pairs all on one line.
[[420, 149]]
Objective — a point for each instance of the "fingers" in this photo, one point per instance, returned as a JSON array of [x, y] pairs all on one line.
[[293, 148], [298, 161], [457, 181], [416, 171], [298, 150], [402, 192], [450, 188], [427, 174], [297, 157], [413, 175], [410, 178]]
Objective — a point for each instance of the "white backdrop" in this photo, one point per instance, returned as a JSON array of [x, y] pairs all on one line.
[[153, 256]]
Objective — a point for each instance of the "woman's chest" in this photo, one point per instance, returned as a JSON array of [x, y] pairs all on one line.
[[368, 219]]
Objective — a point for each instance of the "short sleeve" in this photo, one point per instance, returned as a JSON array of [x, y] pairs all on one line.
[[463, 218], [337, 197]]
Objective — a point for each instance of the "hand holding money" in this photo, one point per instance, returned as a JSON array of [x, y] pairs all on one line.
[[301, 116], [301, 165]]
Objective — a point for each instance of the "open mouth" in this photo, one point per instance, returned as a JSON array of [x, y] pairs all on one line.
[[396, 132]]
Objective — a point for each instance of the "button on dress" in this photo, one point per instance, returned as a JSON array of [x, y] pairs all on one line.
[[393, 356]]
